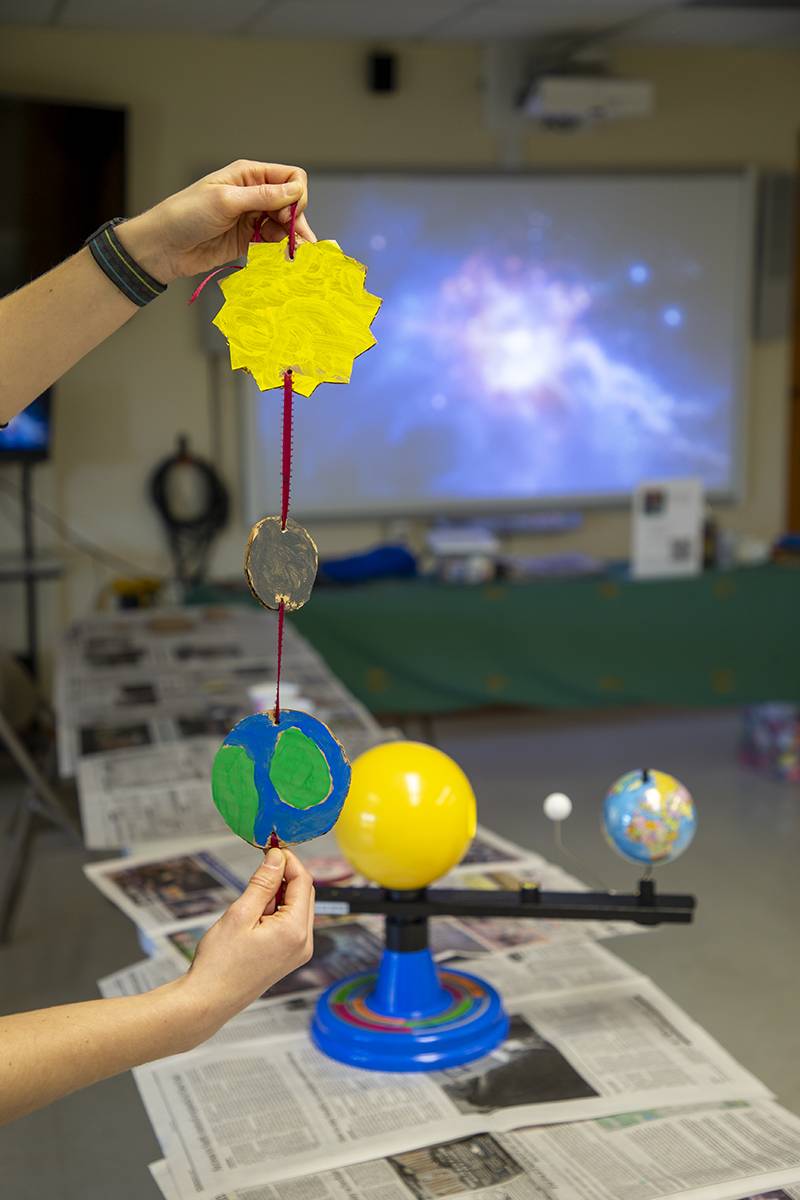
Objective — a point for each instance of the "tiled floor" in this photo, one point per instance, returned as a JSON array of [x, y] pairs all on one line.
[[737, 970]]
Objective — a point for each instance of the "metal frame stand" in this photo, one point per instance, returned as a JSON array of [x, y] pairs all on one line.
[[40, 801]]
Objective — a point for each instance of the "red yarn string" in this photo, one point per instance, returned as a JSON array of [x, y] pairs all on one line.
[[280, 897], [292, 224], [208, 278], [281, 620], [286, 479], [286, 486], [286, 449]]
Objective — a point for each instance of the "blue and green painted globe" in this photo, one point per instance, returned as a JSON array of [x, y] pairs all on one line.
[[649, 817], [289, 779]]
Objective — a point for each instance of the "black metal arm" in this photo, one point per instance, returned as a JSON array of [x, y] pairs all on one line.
[[644, 907]]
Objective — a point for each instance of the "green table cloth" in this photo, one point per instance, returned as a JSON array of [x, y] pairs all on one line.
[[420, 646]]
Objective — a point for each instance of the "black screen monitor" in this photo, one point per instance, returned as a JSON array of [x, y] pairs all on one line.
[[63, 175]]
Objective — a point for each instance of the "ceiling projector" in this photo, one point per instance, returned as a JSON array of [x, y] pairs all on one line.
[[569, 101]]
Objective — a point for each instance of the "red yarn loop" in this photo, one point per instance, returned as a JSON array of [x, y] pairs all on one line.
[[255, 237], [208, 278], [292, 235]]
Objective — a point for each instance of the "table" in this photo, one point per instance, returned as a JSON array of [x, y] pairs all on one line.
[[420, 646]]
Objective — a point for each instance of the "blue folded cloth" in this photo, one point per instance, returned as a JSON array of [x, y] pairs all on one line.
[[383, 562]]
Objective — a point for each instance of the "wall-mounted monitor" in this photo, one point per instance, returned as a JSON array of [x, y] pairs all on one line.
[[544, 340], [27, 435], [63, 175]]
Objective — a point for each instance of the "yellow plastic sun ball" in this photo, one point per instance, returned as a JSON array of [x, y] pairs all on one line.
[[409, 815], [310, 314]]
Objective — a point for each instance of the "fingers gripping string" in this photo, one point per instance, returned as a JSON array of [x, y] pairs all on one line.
[[255, 237]]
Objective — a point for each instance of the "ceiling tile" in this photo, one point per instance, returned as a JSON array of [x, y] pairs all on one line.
[[720, 27], [352, 18], [442, 20], [190, 16], [25, 12], [521, 18]]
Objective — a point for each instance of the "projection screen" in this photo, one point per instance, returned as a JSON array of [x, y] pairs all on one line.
[[544, 340]]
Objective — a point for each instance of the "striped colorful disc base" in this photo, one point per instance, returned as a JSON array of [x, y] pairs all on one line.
[[348, 1028]]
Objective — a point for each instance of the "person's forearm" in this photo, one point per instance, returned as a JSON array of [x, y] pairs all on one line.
[[47, 326], [51, 1052], [50, 324]]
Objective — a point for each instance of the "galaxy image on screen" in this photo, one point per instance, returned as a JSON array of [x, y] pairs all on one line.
[[540, 339]]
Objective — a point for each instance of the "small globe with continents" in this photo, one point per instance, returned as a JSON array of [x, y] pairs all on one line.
[[286, 780], [649, 817]]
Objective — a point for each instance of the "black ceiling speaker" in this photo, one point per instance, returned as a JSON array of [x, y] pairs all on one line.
[[382, 72]]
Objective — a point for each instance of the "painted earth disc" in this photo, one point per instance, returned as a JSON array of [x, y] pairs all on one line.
[[289, 778]]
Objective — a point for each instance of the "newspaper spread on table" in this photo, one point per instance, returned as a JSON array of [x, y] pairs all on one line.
[[570, 1055], [535, 971], [603, 1090], [589, 1034], [145, 698], [723, 1151]]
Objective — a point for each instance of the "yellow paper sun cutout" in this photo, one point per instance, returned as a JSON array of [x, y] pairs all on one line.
[[310, 314]]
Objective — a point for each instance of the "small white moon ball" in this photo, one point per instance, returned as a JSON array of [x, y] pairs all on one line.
[[557, 806]]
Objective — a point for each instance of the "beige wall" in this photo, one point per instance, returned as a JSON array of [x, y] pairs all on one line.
[[196, 102]]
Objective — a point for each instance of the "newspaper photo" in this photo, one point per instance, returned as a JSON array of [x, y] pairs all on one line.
[[348, 947], [146, 794], [174, 890], [568, 1057], [489, 847], [735, 1151], [497, 933], [341, 947], [449, 939], [155, 893], [136, 637], [89, 733], [193, 880]]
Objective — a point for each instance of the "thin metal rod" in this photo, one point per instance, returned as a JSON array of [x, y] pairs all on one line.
[[28, 555], [47, 803]]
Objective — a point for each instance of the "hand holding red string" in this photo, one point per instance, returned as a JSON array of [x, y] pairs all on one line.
[[212, 221]]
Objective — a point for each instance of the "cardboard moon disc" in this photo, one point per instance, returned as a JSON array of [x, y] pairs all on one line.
[[280, 564], [289, 779]]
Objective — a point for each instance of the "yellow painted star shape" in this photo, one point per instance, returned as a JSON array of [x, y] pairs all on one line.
[[310, 314]]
